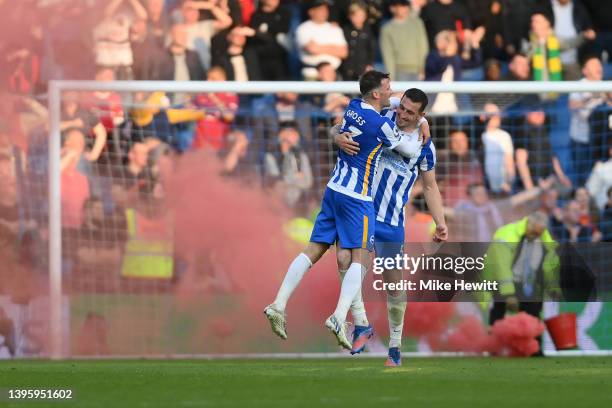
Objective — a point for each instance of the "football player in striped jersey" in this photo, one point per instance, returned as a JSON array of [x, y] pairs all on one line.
[[391, 188]]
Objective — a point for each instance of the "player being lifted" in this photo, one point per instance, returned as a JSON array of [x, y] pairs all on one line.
[[347, 213], [391, 190]]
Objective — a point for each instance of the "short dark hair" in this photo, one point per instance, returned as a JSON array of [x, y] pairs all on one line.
[[452, 131], [89, 202], [371, 80], [418, 96], [392, 3], [472, 186], [586, 58]]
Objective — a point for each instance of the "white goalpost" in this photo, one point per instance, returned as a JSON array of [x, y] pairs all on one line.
[[56, 88]]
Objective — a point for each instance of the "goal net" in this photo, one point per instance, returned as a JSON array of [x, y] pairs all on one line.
[[159, 218]]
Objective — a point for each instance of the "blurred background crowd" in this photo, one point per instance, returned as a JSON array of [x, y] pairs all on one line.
[[499, 156]]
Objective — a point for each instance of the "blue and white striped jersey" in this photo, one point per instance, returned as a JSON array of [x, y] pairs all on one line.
[[395, 178], [353, 175]]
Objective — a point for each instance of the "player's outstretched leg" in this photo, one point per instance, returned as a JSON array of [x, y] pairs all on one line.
[[278, 321], [275, 312], [338, 329], [363, 330], [351, 284]]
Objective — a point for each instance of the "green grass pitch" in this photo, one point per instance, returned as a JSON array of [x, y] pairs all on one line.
[[350, 382]]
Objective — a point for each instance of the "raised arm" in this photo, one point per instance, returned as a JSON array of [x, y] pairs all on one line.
[[100, 141], [112, 8], [139, 9], [222, 18]]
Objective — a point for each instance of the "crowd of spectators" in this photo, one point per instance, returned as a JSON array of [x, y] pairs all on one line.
[[495, 156]]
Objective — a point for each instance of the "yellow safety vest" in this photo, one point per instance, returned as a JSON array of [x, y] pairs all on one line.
[[146, 257], [500, 255]]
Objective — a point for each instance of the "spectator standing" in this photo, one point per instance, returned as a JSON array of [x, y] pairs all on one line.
[[516, 23], [136, 175], [240, 62], [446, 15], [600, 123], [75, 187], [601, 16], [283, 109], [332, 103], [518, 69], [21, 71], [549, 204], [582, 105], [181, 64], [478, 216], [534, 157], [544, 49], [112, 37], [570, 229], [148, 52], [157, 23], [600, 181], [494, 42], [498, 153], [289, 166], [220, 108], [200, 33], [271, 24], [361, 43], [403, 43], [444, 64], [106, 105], [234, 163], [238, 10], [589, 213], [606, 219], [458, 167], [74, 116], [573, 27], [319, 41], [492, 70], [375, 9]]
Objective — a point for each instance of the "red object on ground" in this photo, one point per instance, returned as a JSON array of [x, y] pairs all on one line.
[[562, 329], [515, 336]]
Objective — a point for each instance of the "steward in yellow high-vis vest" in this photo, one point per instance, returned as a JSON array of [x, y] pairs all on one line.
[[149, 250], [523, 260]]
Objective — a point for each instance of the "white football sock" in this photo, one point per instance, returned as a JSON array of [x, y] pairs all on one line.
[[396, 308], [351, 284], [294, 275], [357, 307]]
